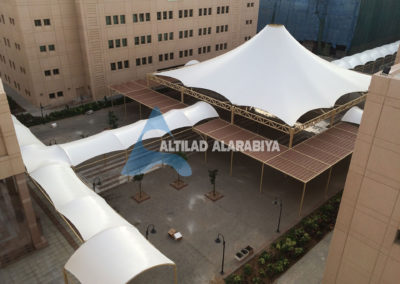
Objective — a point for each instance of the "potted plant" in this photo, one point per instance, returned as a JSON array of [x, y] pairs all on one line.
[[213, 195], [178, 184], [140, 196]]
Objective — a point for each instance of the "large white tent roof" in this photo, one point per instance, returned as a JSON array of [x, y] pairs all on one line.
[[275, 73], [353, 115]]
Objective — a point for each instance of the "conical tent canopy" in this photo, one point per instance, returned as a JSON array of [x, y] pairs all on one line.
[[273, 72]]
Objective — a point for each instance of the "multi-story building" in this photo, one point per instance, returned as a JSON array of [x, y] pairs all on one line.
[[57, 52], [365, 247], [19, 232]]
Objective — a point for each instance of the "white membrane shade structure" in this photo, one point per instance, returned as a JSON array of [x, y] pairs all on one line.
[[353, 115], [350, 62], [114, 256], [114, 251], [35, 154], [275, 73]]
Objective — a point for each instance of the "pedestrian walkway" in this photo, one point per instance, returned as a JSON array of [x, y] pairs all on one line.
[[310, 268]]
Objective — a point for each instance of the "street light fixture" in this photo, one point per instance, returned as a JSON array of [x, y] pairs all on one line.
[[153, 230], [96, 181], [279, 202], [218, 240]]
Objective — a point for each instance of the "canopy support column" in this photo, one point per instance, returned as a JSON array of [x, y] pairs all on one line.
[[140, 111], [291, 134], [124, 107], [230, 172], [328, 182], [302, 198], [232, 115], [262, 177], [182, 96], [332, 118], [65, 276], [175, 275]]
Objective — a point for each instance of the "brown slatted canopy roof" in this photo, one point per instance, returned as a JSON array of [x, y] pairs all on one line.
[[138, 91], [305, 161]]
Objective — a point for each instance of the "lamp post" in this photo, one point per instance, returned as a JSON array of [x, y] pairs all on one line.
[[96, 181], [279, 202], [153, 230], [41, 109], [218, 240]]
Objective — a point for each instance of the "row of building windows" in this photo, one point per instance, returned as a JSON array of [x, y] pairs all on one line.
[[161, 15], [185, 53], [115, 20], [47, 73], [58, 94], [223, 28], [117, 43], [144, 60], [247, 38], [3, 59], [141, 17], [186, 34], [221, 46], [249, 22], [250, 4], [223, 10], [119, 65], [2, 19], [204, 49], [166, 36], [12, 64], [204, 31], [38, 22], [50, 47], [166, 57], [6, 42]]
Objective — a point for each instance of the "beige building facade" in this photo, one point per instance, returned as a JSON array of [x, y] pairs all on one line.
[[59, 52], [365, 247], [18, 235]]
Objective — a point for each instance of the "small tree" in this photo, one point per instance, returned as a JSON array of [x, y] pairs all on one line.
[[112, 120], [183, 156], [139, 178], [213, 175]]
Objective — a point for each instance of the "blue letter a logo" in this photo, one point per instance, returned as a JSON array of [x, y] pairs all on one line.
[[142, 160]]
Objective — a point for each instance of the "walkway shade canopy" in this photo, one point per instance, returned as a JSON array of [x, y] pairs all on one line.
[[114, 256], [275, 73], [353, 115]]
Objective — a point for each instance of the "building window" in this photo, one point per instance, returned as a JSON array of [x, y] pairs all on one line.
[[144, 60], [38, 23], [171, 14], [136, 40], [160, 58], [158, 15], [137, 61], [159, 37], [46, 22], [142, 39], [119, 64], [52, 96], [42, 48], [113, 66], [135, 18], [180, 13], [56, 71], [110, 44], [147, 17], [126, 64], [218, 10], [200, 12], [141, 17], [150, 59], [122, 19], [191, 13], [209, 11], [124, 42], [47, 73], [52, 47], [117, 43], [108, 20], [115, 20], [60, 94], [397, 239], [165, 15]]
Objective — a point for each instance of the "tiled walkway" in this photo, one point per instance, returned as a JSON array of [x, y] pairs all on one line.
[[42, 266]]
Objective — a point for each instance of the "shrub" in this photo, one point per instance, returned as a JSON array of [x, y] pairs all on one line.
[[277, 267], [262, 273], [256, 280], [112, 120], [298, 251], [247, 270], [266, 256], [286, 246], [261, 261], [237, 279], [229, 279]]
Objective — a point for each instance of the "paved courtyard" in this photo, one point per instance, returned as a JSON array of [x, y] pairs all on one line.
[[244, 216]]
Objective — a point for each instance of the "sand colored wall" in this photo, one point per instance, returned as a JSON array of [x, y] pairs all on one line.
[[10, 155], [79, 32], [398, 57], [363, 248]]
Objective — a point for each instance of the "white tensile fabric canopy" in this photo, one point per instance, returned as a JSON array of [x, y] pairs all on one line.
[[349, 62], [275, 73], [114, 251], [353, 115], [107, 257], [35, 154]]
